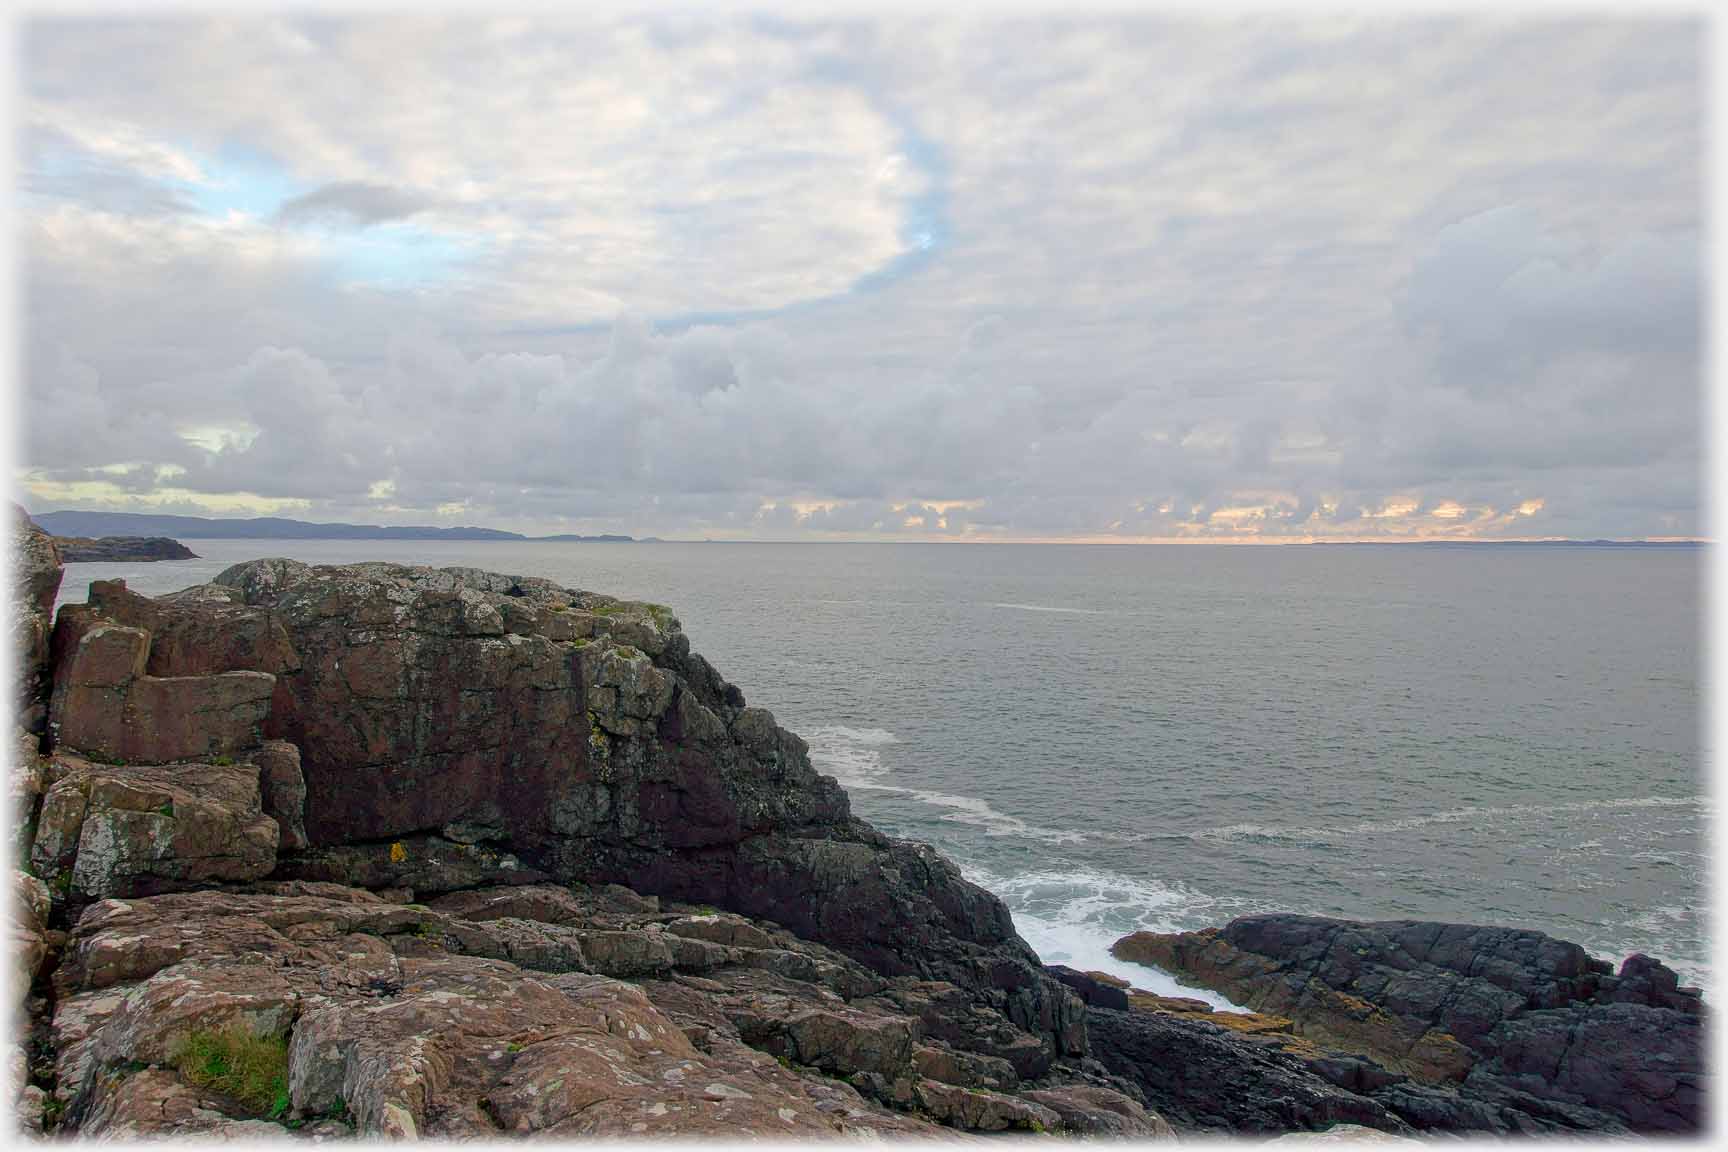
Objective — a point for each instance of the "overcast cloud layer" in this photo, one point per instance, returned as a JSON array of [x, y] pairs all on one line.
[[1111, 278]]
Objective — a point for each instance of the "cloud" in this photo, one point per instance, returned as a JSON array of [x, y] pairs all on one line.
[[354, 204], [882, 277]]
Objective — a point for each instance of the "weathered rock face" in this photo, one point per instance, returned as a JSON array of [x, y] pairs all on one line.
[[113, 830], [105, 704], [1198, 1074], [35, 583], [84, 549], [1519, 1022], [575, 736], [518, 1011]]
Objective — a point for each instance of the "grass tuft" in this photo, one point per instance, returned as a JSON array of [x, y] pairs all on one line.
[[253, 1070]]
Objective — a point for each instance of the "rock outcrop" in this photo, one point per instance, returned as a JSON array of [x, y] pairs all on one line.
[[580, 736], [35, 583], [1457, 1026], [109, 549], [391, 851], [545, 1010]]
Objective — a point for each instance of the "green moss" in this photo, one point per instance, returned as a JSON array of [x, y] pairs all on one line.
[[166, 808], [582, 641], [427, 930], [222, 761], [609, 609], [253, 1070], [513, 1047]]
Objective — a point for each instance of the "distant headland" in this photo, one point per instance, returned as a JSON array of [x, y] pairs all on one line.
[[94, 524]]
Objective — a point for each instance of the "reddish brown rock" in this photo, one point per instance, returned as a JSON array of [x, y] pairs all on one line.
[[198, 632], [404, 1037], [104, 705], [283, 789], [1095, 1111], [111, 830]]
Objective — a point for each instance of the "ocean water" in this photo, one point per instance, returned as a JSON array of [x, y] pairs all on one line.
[[1119, 737]]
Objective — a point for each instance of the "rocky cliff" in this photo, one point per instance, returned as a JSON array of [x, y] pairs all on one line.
[[380, 850]]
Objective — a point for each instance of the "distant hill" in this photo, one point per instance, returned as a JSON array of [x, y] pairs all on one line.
[[96, 524]]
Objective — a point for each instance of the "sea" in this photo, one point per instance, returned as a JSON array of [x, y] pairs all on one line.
[[1124, 737]]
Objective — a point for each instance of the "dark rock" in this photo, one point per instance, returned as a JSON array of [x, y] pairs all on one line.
[[1096, 993], [108, 549], [1518, 1023], [36, 575], [1197, 1074]]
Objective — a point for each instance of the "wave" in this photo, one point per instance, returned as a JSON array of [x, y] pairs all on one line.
[[1480, 813], [849, 754], [1052, 608], [852, 756], [1073, 916]]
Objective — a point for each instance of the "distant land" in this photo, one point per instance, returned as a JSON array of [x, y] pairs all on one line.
[[96, 524]]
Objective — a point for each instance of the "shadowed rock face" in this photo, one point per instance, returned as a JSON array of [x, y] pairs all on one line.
[[1533, 1031], [35, 582]]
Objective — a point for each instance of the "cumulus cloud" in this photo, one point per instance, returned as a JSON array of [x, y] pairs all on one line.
[[1118, 278]]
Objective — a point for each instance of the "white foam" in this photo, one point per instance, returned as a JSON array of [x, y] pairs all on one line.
[[979, 814], [1072, 917], [1053, 608], [850, 754], [1475, 814]]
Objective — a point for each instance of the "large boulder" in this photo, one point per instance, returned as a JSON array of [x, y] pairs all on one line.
[[120, 830]]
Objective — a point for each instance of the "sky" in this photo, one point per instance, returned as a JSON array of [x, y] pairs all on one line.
[[1121, 277]]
